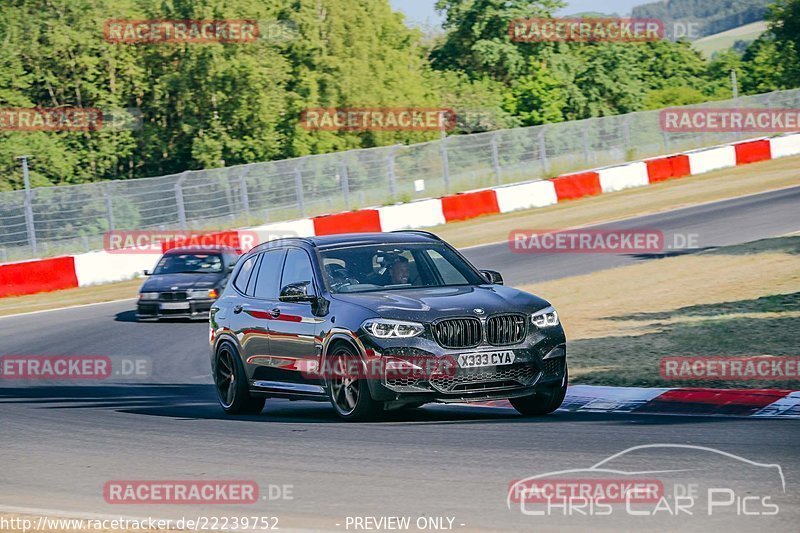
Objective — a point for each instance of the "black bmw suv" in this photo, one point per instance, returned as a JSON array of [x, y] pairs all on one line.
[[380, 321]]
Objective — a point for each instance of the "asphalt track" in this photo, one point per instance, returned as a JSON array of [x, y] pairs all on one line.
[[725, 223], [61, 444]]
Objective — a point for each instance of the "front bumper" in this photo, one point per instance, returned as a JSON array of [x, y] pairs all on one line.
[[154, 310], [540, 362]]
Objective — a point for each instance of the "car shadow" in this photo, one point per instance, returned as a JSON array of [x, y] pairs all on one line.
[[130, 316], [198, 402]]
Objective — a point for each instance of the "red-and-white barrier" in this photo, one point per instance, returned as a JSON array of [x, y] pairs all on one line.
[[93, 268]]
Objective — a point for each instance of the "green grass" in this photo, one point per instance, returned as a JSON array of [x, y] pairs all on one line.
[[622, 322], [722, 41]]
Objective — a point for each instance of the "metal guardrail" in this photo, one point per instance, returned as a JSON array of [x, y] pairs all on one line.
[[49, 221]]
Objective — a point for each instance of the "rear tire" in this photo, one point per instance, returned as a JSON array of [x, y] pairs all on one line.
[[350, 396], [544, 402], [231, 383]]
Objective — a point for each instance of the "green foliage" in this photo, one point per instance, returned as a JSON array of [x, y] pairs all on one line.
[[213, 105]]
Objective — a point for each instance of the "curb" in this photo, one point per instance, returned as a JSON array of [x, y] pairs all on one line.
[[757, 403]]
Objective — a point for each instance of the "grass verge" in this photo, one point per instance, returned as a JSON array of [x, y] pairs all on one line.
[[68, 297], [732, 301]]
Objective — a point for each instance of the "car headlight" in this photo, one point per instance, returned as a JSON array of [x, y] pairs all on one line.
[[546, 318], [195, 294], [148, 296], [392, 329]]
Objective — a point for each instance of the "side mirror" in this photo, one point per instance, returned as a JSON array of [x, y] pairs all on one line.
[[147, 273], [492, 276], [297, 292]]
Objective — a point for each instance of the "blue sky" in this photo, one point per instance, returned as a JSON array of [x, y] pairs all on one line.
[[422, 10]]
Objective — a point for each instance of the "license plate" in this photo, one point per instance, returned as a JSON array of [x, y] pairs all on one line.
[[175, 305], [473, 360]]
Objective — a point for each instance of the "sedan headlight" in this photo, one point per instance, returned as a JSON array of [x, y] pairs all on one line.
[[546, 318], [197, 294], [383, 328], [148, 296]]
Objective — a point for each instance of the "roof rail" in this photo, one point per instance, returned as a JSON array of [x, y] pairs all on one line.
[[418, 232], [303, 239]]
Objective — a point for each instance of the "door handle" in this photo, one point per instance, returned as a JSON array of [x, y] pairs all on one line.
[[237, 309], [275, 313]]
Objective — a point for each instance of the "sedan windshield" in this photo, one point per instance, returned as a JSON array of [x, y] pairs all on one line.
[[396, 266], [189, 264]]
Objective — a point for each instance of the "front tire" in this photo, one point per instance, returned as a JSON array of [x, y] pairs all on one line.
[[231, 383], [544, 402], [348, 394]]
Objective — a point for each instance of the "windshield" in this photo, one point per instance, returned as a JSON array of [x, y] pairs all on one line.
[[189, 264], [399, 266]]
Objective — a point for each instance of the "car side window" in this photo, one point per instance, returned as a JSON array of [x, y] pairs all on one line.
[[243, 277], [269, 273], [297, 268]]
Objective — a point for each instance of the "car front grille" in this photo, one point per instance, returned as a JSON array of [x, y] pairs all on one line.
[[501, 377], [458, 332], [173, 296], [504, 330]]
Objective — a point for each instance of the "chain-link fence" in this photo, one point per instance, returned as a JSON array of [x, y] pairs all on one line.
[[68, 219]]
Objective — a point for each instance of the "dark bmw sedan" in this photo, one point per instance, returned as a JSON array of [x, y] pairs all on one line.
[[185, 282], [374, 322]]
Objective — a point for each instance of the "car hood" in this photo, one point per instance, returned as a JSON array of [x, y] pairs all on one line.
[[424, 305], [181, 282]]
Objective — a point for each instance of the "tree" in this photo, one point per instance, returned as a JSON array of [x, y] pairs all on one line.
[[477, 41]]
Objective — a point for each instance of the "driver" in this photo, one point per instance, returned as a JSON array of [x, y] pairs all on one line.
[[399, 272]]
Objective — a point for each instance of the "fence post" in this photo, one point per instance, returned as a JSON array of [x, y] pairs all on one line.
[[586, 145], [626, 132], [496, 160], [298, 189], [345, 182], [543, 151], [109, 206], [445, 163], [179, 201], [391, 173], [245, 198], [29, 206]]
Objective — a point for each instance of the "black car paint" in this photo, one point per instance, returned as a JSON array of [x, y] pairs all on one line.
[[268, 333]]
